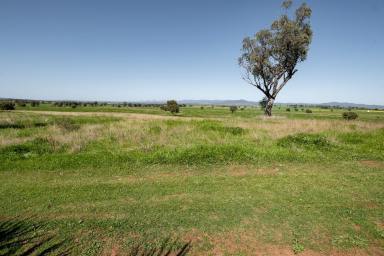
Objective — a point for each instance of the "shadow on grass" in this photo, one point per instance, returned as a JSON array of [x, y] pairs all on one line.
[[27, 237]]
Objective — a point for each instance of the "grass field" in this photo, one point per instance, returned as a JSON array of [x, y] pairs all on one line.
[[104, 178]]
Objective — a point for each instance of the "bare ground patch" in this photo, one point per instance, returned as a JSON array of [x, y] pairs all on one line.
[[372, 163]]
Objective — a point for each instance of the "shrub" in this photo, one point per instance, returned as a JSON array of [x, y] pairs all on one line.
[[288, 110], [172, 106], [233, 109], [308, 111], [316, 141], [350, 115], [7, 105]]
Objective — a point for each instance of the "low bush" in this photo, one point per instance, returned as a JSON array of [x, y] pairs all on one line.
[[308, 111], [305, 140], [350, 115], [233, 109], [7, 105], [288, 110]]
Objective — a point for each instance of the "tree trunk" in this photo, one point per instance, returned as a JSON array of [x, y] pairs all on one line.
[[268, 107]]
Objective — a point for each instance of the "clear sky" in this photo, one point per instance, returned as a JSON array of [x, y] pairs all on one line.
[[181, 49]]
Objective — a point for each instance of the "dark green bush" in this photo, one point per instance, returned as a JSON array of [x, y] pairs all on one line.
[[288, 110], [304, 140], [7, 105], [350, 115], [171, 106], [233, 109], [308, 111]]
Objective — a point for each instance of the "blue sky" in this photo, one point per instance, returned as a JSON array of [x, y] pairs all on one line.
[[181, 49]]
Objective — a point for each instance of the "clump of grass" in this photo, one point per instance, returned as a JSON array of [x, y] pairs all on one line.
[[22, 124], [38, 146], [155, 129], [306, 140], [297, 247], [67, 124], [349, 241], [218, 127]]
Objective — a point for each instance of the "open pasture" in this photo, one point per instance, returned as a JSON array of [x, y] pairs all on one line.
[[231, 184]]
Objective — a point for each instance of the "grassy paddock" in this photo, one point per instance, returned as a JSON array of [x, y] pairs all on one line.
[[232, 184]]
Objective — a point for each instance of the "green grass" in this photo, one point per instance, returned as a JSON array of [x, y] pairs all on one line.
[[307, 182]]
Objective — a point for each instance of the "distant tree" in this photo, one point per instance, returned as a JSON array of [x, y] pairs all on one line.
[[288, 110], [350, 115], [7, 105], [269, 59], [233, 109], [171, 106], [308, 111], [35, 103]]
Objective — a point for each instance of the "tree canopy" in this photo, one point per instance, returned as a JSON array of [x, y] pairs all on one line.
[[270, 57]]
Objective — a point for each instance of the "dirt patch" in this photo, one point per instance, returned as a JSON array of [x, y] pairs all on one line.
[[372, 163], [245, 243]]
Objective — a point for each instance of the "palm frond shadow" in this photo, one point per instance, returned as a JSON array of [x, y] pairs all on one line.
[[26, 237]]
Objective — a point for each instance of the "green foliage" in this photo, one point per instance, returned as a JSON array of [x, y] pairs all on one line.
[[297, 247], [171, 106], [307, 140], [37, 146], [7, 105], [270, 57], [308, 111], [288, 109], [350, 115], [263, 103], [219, 127], [233, 109]]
